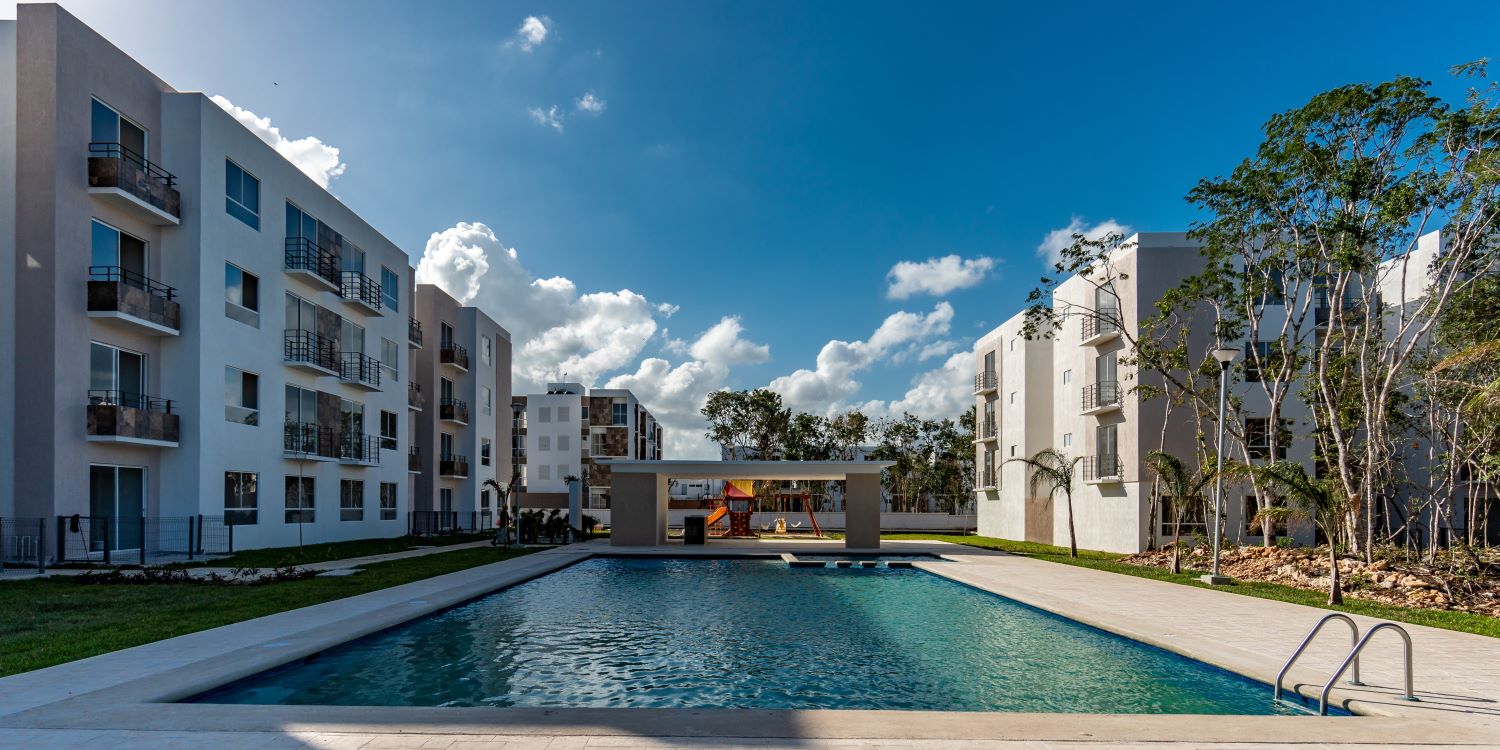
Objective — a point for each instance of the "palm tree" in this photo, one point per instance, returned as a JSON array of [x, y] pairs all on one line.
[[1307, 497], [1186, 490], [1052, 470]]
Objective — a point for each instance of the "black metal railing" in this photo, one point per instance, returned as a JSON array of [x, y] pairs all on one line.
[[423, 522], [309, 348], [453, 354], [450, 465], [1103, 466], [360, 288], [140, 539], [130, 400], [986, 381], [309, 439], [414, 459], [1100, 395], [359, 448], [127, 277], [303, 254], [453, 410], [23, 543], [1100, 323], [355, 367], [414, 395], [112, 150], [112, 165], [414, 331]]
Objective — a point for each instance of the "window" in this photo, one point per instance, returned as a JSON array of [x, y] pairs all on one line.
[[544, 414], [1257, 353], [600, 445], [1258, 438], [351, 500], [1013, 450], [563, 414], [301, 225], [484, 499], [1067, 376], [583, 413], [484, 451], [388, 429], [299, 499], [544, 471], [989, 362], [117, 493], [486, 397], [562, 471], [1106, 440], [1194, 518], [110, 248], [241, 396], [390, 289], [241, 295], [351, 337], [351, 257], [301, 315], [390, 358], [108, 126], [1252, 509], [619, 414], [445, 335], [240, 498], [1012, 344], [486, 350], [387, 501], [242, 195], [1067, 439], [562, 442], [445, 500], [544, 442], [116, 376], [1012, 397], [445, 445]]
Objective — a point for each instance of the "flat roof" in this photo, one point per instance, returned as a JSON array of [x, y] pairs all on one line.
[[749, 469]]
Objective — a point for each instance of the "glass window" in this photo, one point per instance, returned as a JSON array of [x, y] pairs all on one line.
[[241, 498], [299, 499], [351, 500], [445, 500], [352, 337], [544, 471], [544, 414], [241, 396], [1067, 376], [445, 335], [390, 289], [544, 442], [564, 414], [352, 257], [241, 287], [388, 428], [390, 358], [1067, 439], [301, 314], [620, 413], [486, 399], [107, 126], [387, 501], [116, 376], [484, 451], [111, 248], [485, 350], [241, 195], [562, 442]]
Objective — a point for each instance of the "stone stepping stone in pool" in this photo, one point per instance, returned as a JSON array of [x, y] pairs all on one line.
[[843, 563]]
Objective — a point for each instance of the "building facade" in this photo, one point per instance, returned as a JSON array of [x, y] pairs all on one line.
[[573, 431]]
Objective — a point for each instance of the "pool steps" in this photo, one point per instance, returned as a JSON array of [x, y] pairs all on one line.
[[795, 562]]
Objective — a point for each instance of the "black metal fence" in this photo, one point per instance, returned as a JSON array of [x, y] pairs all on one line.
[[23, 543], [426, 522], [141, 540]]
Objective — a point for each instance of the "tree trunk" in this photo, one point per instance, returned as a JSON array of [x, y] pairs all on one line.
[[1072, 537], [1177, 545], [1335, 591]]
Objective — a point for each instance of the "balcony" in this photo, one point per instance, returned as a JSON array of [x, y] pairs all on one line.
[[124, 296], [414, 333], [986, 383], [986, 431], [309, 351], [414, 399], [359, 370], [455, 356], [359, 450], [1101, 397], [1100, 327], [304, 258], [1102, 469], [453, 467], [125, 179], [985, 481], [361, 291], [306, 440], [453, 410], [131, 418], [414, 460]]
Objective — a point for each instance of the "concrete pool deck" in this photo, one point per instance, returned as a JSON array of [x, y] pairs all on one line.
[[123, 699]]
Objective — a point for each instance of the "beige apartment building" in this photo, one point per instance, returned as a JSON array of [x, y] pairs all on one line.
[[573, 431]]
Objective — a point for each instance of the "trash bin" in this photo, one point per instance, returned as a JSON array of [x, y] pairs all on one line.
[[695, 530]]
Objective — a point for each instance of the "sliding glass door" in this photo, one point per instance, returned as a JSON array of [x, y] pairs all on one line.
[[116, 376], [117, 503]]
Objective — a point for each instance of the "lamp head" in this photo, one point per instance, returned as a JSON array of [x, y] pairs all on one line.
[[1226, 354]]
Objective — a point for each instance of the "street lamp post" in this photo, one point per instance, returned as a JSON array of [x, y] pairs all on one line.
[[1225, 355]]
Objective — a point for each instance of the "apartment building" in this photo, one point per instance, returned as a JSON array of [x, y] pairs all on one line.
[[461, 421], [202, 337], [574, 431]]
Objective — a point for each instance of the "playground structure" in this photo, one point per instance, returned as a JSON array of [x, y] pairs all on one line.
[[738, 506]]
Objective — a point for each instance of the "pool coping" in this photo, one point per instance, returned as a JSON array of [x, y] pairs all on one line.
[[134, 688]]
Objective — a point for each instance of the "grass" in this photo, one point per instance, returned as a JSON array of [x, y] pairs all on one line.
[[57, 619], [276, 557], [1464, 622]]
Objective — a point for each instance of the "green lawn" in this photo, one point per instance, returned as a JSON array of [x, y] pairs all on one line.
[[54, 620], [276, 557], [1438, 618]]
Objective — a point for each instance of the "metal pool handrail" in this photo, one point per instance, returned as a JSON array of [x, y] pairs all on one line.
[[1353, 644], [1354, 656]]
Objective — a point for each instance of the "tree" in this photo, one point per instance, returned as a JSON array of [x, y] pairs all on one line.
[[1052, 470], [847, 432], [1186, 490], [1309, 497], [747, 421]]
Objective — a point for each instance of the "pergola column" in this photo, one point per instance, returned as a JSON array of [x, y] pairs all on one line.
[[862, 511], [638, 509]]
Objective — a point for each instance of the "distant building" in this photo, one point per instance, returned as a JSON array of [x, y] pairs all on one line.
[[572, 431]]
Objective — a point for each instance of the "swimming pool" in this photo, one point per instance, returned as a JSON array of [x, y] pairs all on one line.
[[722, 633]]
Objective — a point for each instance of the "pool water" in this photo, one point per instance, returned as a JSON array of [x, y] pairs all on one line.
[[656, 633]]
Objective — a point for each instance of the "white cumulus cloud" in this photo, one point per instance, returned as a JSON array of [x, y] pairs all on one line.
[[590, 103], [531, 33], [943, 392], [1059, 239], [315, 158], [551, 117], [936, 276]]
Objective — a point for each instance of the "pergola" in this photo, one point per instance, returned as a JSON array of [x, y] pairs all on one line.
[[638, 494]]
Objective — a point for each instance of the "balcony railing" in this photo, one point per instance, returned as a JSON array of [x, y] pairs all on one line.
[[986, 479], [309, 439], [453, 410], [1101, 395], [357, 287], [414, 398], [126, 417], [359, 369], [985, 382], [453, 354], [414, 459], [118, 291], [1101, 323], [1101, 467], [414, 332], [360, 449], [303, 255], [308, 348], [450, 465], [986, 429], [113, 166]]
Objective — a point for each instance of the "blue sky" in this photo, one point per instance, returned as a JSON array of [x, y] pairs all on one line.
[[770, 162]]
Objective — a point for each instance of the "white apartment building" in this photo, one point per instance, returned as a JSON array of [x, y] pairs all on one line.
[[573, 431], [197, 339]]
